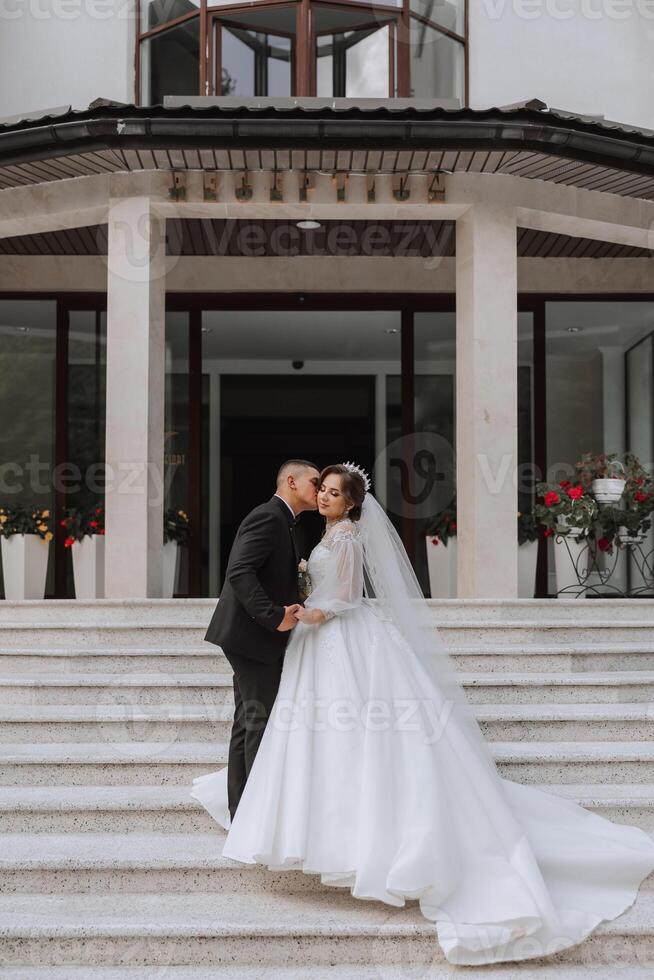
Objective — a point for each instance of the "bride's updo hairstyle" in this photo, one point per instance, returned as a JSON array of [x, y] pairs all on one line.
[[351, 485]]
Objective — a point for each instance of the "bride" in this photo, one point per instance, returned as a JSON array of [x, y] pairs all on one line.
[[373, 773]]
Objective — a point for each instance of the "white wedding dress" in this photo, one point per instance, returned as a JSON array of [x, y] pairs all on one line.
[[370, 777]]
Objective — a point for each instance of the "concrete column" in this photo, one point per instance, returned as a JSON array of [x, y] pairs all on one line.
[[136, 290], [486, 402]]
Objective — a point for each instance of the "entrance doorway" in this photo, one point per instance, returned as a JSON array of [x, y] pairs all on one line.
[[264, 420]]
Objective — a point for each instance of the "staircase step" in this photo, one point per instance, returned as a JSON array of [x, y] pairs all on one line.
[[563, 722], [155, 687], [161, 687], [283, 929], [135, 763], [170, 809], [138, 863], [213, 722], [135, 863], [551, 971], [534, 687], [76, 636], [115, 660], [114, 722], [97, 613], [522, 655]]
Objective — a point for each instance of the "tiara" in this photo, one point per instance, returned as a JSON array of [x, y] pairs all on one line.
[[353, 468]]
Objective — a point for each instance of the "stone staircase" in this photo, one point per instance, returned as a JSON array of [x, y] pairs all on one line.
[[109, 869]]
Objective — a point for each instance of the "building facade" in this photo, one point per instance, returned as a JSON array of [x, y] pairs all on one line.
[[235, 233]]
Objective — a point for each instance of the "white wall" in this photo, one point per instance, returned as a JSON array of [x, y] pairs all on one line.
[[57, 53], [587, 56]]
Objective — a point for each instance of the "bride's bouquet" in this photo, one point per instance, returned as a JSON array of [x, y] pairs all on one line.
[[304, 581]]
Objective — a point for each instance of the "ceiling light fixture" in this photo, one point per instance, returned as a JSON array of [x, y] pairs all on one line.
[[308, 225], [573, 329]]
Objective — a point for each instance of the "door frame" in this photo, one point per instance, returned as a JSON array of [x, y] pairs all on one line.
[[194, 304]]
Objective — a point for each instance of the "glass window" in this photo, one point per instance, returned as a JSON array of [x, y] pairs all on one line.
[[170, 63], [87, 359], [600, 395], [434, 480], [28, 331], [157, 12], [255, 63], [355, 64], [176, 428], [437, 64], [447, 13]]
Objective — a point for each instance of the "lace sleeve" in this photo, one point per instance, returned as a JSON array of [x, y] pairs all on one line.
[[341, 588]]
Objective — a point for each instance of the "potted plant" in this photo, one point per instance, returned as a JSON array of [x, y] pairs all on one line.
[[85, 538], [604, 474], [527, 554], [26, 538], [440, 541], [627, 521], [176, 533], [638, 500], [567, 512]]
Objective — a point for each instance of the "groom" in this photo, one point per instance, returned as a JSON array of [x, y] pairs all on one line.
[[256, 611]]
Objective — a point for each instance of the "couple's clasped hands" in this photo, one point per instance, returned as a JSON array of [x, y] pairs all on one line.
[[298, 614]]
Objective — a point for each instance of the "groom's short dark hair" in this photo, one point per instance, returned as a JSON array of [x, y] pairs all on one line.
[[300, 464]]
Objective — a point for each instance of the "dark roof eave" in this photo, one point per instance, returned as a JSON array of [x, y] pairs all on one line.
[[514, 130]]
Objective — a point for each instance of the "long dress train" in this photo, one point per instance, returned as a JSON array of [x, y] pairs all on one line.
[[364, 778]]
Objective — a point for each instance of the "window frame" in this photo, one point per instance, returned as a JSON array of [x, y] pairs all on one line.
[[303, 42]]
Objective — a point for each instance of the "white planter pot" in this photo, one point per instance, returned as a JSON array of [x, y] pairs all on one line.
[[170, 568], [25, 566], [88, 567], [564, 526], [566, 554], [441, 562], [527, 560], [608, 490]]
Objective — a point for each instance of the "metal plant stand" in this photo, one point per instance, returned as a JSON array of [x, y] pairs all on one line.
[[594, 577]]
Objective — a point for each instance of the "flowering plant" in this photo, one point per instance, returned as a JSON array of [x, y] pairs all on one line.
[[443, 525], [304, 580], [176, 526], [25, 520], [638, 495], [80, 522], [638, 500], [598, 466], [564, 504]]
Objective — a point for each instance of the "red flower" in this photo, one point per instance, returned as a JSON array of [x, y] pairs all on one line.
[[641, 496], [435, 541], [63, 523], [575, 492], [93, 523], [564, 483], [547, 532], [69, 542], [452, 525], [640, 480], [551, 497], [101, 531], [604, 544], [98, 510]]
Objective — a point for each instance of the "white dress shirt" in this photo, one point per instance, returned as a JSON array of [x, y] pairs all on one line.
[[287, 504]]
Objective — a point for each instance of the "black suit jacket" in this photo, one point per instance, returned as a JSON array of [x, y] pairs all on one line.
[[261, 578]]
